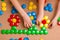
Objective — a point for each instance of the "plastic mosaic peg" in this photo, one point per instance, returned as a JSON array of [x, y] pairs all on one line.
[[48, 7], [1, 12], [24, 31], [41, 32], [58, 23], [16, 38], [14, 20], [45, 22], [13, 28], [45, 32], [14, 11], [31, 31], [29, 13], [4, 9], [20, 38], [36, 32], [33, 13], [26, 38], [32, 6], [32, 16], [41, 38], [3, 31], [58, 19], [0, 25], [28, 32], [2, 0], [3, 4], [43, 28], [7, 32], [20, 31], [11, 38], [23, 6]]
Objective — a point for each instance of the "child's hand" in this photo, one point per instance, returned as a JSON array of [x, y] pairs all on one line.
[[40, 12], [39, 19], [27, 21], [53, 23]]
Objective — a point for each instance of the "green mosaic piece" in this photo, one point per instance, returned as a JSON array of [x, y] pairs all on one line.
[[34, 28], [13, 27], [20, 31], [3, 31], [24, 31], [2, 0], [11, 31], [15, 31], [31, 31], [28, 32], [41, 32], [58, 19], [43, 28], [36, 32], [7, 32], [45, 32]]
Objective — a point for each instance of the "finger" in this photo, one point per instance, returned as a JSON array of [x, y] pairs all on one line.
[[27, 25], [50, 25], [37, 22]]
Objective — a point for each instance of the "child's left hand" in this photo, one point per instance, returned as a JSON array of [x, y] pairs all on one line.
[[39, 19], [53, 23]]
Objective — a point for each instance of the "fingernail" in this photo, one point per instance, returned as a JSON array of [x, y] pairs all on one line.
[[50, 26]]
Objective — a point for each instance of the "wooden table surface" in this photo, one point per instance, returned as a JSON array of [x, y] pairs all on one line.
[[54, 32]]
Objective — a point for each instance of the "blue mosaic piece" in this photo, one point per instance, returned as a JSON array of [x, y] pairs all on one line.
[[29, 13], [0, 24], [23, 6], [34, 21], [50, 9], [49, 5], [14, 11], [1, 12], [26, 38], [16, 39], [46, 8], [11, 38], [33, 13]]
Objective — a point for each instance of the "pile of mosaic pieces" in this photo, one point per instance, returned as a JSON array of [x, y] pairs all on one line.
[[45, 22], [32, 6], [48, 7], [3, 9], [29, 31], [32, 16], [25, 38], [14, 21]]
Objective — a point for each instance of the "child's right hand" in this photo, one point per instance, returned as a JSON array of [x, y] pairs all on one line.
[[27, 21]]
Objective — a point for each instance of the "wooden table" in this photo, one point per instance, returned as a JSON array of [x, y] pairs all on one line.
[[54, 32]]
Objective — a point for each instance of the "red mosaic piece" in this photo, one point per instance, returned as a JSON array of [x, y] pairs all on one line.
[[58, 23], [44, 21], [14, 20], [20, 39]]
